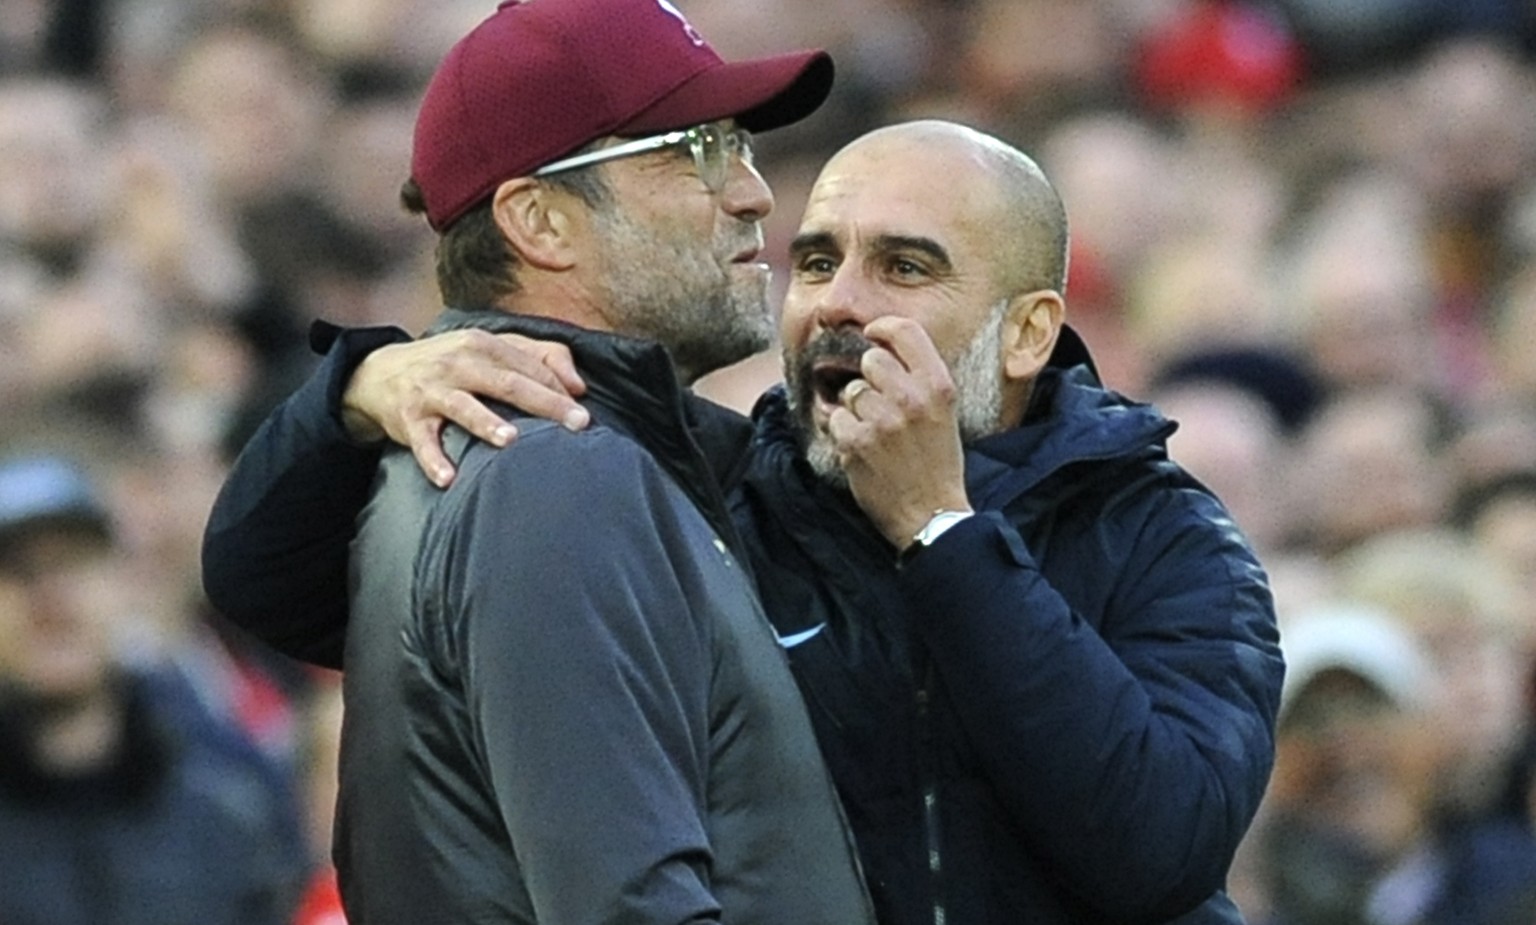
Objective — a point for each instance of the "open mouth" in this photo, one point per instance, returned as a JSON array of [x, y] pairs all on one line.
[[829, 379]]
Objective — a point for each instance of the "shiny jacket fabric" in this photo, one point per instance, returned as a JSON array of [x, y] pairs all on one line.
[[1061, 711], [564, 702]]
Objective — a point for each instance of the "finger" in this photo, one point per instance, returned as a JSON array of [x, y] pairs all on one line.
[[558, 358], [426, 446], [518, 371], [908, 342], [851, 394], [546, 361], [916, 390], [849, 434], [869, 406], [469, 413], [547, 403], [880, 367]]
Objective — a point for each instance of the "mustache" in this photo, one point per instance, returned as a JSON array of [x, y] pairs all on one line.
[[841, 344]]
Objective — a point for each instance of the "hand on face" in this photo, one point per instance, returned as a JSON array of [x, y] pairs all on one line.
[[896, 433]]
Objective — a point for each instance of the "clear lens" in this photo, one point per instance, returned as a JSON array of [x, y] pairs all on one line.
[[713, 146], [709, 155]]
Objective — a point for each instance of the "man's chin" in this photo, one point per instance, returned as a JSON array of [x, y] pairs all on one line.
[[823, 461]]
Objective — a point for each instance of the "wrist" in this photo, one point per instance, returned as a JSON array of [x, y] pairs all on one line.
[[938, 523], [359, 427]]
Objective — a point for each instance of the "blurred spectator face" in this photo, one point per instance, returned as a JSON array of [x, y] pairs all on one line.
[[255, 109], [1198, 292], [1113, 174], [367, 155], [1350, 794], [1368, 467], [85, 332], [1364, 293], [166, 228], [349, 31], [1458, 605], [50, 157], [1473, 134], [1505, 531], [1514, 332], [56, 589], [1072, 48], [1231, 442], [1356, 762]]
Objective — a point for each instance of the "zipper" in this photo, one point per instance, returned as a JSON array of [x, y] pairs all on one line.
[[926, 761]]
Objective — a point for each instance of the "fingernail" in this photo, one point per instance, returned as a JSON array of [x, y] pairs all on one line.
[[503, 435], [442, 476], [576, 419]]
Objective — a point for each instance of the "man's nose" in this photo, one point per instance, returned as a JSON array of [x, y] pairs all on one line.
[[843, 301], [746, 195]]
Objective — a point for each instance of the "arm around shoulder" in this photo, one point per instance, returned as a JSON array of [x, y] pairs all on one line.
[[274, 553]]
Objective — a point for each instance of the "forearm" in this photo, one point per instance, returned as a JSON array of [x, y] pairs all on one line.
[[274, 557], [1132, 764]]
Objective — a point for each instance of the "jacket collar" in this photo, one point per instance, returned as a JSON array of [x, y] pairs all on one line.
[[632, 387]]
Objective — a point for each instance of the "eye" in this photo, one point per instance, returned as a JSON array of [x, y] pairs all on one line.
[[815, 265], [739, 142], [904, 268]]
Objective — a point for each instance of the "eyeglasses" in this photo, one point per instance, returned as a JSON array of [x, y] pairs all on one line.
[[712, 145]]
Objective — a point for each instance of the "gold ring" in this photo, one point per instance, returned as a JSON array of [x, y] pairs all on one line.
[[851, 393]]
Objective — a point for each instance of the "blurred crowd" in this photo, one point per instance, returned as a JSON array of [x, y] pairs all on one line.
[[1305, 229]]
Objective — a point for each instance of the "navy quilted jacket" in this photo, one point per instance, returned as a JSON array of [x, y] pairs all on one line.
[[1063, 710]]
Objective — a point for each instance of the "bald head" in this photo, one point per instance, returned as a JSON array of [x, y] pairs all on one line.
[[1000, 186]]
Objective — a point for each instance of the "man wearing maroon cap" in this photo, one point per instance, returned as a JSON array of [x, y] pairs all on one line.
[[600, 727]]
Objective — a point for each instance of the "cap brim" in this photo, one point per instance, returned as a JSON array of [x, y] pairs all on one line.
[[761, 94]]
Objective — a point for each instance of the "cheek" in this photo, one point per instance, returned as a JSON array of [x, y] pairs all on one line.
[[797, 317]]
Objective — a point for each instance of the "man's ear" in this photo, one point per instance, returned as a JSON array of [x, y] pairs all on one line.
[[1030, 332], [537, 222]]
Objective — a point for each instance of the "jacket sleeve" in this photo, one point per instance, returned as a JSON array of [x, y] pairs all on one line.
[[1132, 755], [274, 555], [586, 678]]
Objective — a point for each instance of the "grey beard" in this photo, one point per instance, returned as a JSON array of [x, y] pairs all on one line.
[[682, 300], [978, 376]]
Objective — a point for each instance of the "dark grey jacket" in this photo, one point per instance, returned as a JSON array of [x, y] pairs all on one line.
[[596, 727]]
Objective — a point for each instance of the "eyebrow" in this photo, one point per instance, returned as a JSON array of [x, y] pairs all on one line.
[[812, 241], [881, 244], [933, 250]]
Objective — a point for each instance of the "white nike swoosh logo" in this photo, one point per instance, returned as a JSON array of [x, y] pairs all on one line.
[[794, 639]]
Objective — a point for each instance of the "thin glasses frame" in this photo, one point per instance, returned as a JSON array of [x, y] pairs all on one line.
[[732, 142]]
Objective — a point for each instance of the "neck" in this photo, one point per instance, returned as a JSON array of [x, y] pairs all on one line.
[[559, 296], [1015, 403]]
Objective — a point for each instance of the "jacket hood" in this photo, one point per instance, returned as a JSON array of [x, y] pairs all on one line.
[[1072, 419]]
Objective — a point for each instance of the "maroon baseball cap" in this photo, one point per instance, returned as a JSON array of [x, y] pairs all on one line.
[[539, 79]]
